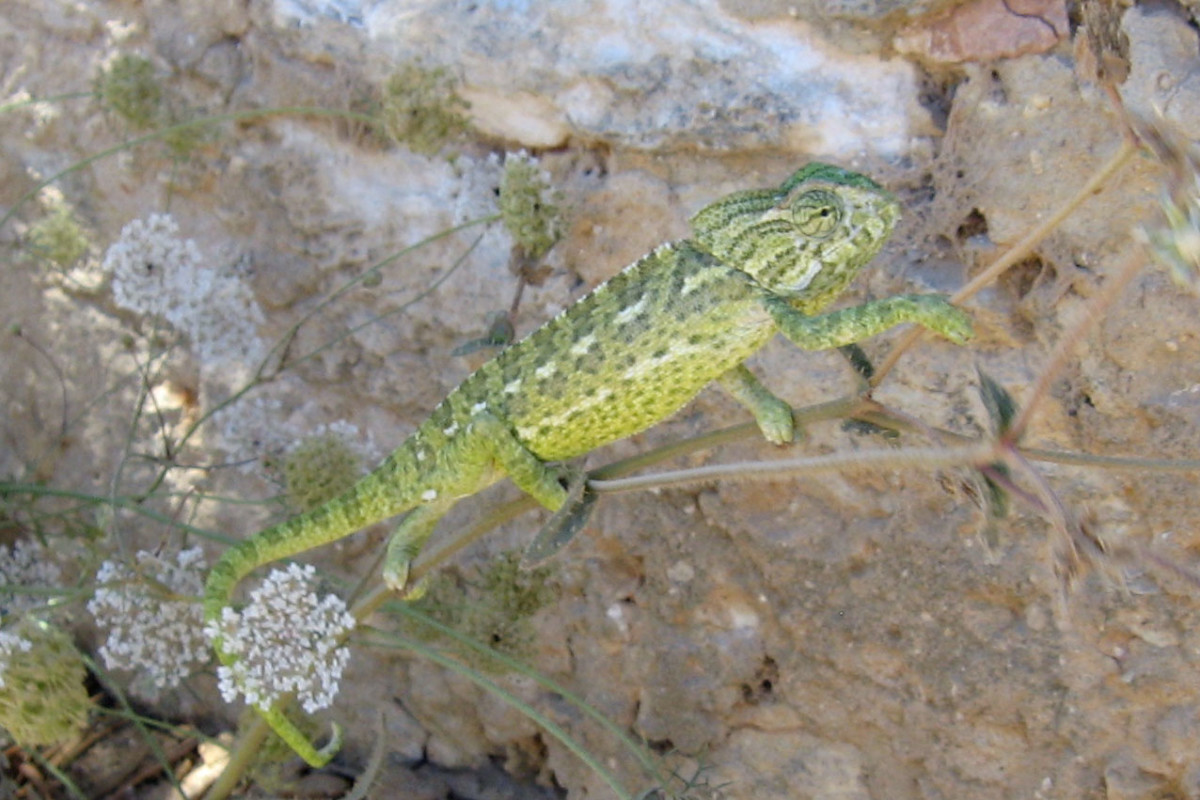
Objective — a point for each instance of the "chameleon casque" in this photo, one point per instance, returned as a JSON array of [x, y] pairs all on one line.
[[625, 356]]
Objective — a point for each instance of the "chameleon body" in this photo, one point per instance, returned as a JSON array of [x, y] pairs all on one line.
[[624, 357]]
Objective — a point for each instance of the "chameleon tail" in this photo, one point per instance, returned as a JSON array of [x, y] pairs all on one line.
[[374, 498], [380, 495]]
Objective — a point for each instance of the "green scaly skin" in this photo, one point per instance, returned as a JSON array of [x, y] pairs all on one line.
[[624, 357]]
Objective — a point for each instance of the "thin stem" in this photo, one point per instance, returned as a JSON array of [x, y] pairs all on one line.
[[117, 501], [241, 758], [924, 458], [1092, 314], [529, 711], [54, 98], [1112, 462], [233, 116], [1017, 252], [260, 376]]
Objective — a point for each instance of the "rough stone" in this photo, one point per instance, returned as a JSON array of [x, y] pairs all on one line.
[[861, 634]]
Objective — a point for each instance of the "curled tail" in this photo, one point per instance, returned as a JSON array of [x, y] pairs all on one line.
[[389, 490]]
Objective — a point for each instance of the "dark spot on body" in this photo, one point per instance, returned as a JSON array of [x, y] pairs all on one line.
[[587, 364]]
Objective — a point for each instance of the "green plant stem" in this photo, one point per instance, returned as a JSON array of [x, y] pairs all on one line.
[[153, 744], [241, 758], [54, 98], [532, 713], [916, 457], [161, 133], [1113, 462], [644, 757]]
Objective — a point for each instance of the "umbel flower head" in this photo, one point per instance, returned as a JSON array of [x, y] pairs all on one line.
[[26, 566], [157, 273], [286, 640], [154, 622], [318, 469]]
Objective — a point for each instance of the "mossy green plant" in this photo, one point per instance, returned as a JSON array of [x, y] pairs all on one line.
[[318, 469], [43, 699], [421, 108], [529, 206], [493, 605], [129, 88], [58, 237]]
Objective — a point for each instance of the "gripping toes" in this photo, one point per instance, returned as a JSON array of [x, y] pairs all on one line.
[[775, 421]]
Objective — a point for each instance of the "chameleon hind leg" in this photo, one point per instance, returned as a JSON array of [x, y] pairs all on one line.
[[486, 441]]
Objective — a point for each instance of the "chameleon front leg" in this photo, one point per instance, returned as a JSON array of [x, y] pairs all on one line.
[[774, 416], [850, 325], [486, 441]]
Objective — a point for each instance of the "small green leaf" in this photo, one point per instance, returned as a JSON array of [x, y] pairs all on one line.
[[500, 334], [564, 524], [865, 428], [858, 360], [995, 497], [1001, 407]]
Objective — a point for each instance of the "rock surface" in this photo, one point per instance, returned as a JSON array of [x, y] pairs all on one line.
[[859, 634]]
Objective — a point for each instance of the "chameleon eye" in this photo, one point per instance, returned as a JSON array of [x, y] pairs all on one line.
[[816, 213]]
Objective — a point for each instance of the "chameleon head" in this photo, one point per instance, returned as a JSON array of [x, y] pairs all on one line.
[[805, 240]]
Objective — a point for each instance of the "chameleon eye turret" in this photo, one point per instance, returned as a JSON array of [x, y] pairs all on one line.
[[805, 240], [817, 213]]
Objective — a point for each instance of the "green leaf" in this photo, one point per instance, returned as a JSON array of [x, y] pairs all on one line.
[[858, 360], [1001, 407], [566, 522]]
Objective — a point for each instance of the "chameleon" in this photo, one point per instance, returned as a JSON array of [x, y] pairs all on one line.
[[625, 356]]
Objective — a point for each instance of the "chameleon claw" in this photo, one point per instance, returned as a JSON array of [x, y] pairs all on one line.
[[567, 521], [775, 422]]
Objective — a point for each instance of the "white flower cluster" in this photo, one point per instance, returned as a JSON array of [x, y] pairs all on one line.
[[155, 272], [25, 564], [285, 640], [153, 616], [11, 643]]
